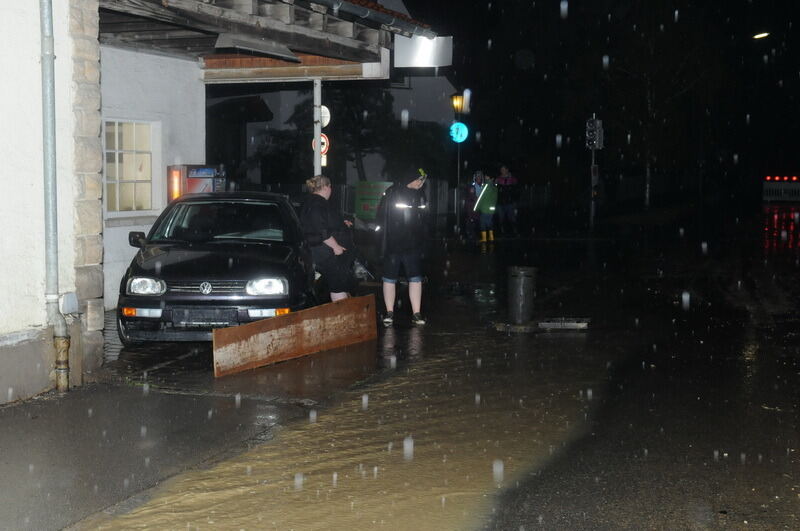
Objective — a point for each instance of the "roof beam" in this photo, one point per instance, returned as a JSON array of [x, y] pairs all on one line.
[[295, 37]]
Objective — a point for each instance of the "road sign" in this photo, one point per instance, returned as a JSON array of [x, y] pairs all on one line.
[[458, 132], [324, 115], [325, 144]]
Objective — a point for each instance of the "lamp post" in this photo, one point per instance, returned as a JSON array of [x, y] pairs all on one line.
[[457, 100]]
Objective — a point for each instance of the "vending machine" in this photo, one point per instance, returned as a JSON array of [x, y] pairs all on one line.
[[195, 179]]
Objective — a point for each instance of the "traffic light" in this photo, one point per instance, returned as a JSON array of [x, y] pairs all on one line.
[[594, 133]]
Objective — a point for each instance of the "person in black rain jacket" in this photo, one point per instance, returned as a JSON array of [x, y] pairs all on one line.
[[401, 225]]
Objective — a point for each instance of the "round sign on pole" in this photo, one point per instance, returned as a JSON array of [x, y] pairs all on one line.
[[324, 144], [324, 115], [458, 132]]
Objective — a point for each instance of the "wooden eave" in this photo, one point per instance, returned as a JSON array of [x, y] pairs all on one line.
[[189, 28]]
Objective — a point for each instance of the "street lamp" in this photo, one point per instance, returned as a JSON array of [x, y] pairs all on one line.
[[458, 106]]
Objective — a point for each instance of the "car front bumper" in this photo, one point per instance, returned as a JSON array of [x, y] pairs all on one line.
[[187, 322]]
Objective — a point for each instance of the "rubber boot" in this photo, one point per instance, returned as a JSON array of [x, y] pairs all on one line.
[[491, 235], [483, 236]]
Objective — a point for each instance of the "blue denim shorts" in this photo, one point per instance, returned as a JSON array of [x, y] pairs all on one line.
[[411, 263]]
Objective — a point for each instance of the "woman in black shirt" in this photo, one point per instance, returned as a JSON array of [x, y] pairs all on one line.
[[321, 223]]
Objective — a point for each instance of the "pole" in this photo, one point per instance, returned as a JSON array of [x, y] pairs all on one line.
[[317, 127], [458, 189], [593, 173]]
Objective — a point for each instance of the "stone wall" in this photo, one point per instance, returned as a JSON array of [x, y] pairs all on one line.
[[87, 350]]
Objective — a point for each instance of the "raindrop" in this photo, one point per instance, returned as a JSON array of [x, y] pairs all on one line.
[[478, 363], [393, 361], [375, 472], [742, 458], [210, 413], [629, 139], [364, 402], [716, 455], [704, 247], [589, 394], [335, 479], [146, 462], [477, 399], [143, 431], [606, 61], [558, 141], [747, 119], [312, 416], [443, 499], [477, 136], [685, 300], [636, 322], [681, 232], [30, 468], [126, 483], [661, 27], [146, 389], [467, 94], [298, 481], [497, 470], [645, 452], [489, 44], [676, 15], [89, 412], [238, 400], [158, 268], [230, 262], [408, 448], [364, 114], [738, 284], [558, 161], [564, 9], [404, 118]]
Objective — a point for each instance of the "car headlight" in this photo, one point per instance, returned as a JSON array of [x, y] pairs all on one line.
[[146, 286], [267, 286]]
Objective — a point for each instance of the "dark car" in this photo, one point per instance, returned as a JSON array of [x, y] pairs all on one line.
[[212, 261]]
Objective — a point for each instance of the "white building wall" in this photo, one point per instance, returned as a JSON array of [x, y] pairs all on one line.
[[168, 92], [22, 272]]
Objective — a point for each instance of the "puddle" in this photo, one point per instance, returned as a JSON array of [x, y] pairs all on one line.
[[426, 445]]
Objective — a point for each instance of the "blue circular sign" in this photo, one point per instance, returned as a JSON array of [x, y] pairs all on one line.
[[458, 132]]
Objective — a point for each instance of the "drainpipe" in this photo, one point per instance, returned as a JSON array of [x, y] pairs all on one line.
[[54, 316], [405, 26]]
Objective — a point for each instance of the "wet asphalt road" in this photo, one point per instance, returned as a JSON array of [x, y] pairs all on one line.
[[698, 425], [695, 425]]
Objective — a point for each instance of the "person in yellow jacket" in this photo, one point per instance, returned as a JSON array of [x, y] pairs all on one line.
[[485, 206]]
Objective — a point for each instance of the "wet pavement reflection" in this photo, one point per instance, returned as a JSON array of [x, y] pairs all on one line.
[[675, 407]]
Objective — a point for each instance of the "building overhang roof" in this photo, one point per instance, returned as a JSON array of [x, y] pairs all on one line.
[[342, 33]]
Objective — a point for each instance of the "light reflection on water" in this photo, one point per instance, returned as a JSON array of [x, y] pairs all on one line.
[[425, 454]]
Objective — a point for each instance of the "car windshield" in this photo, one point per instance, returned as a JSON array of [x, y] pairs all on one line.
[[209, 221]]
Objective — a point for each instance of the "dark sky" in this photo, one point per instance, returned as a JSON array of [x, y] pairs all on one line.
[[678, 83]]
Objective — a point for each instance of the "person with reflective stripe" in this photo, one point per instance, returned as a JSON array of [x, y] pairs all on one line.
[[485, 205], [401, 225]]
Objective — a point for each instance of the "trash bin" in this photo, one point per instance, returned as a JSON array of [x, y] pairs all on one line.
[[521, 285]]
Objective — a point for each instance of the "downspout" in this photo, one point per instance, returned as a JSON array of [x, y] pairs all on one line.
[[54, 316], [404, 26]]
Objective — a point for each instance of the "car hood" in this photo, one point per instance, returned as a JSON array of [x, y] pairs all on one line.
[[213, 261]]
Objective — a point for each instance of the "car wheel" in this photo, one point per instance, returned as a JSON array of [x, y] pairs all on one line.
[[123, 335]]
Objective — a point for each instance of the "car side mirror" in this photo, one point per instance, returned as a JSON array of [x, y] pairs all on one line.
[[136, 239]]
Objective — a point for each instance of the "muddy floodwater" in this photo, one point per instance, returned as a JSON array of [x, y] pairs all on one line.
[[427, 443]]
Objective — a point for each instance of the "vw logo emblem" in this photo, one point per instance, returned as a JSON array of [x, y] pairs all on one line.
[[205, 288]]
